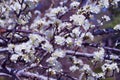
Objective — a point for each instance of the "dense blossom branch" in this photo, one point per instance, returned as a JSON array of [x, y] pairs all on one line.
[[52, 44]]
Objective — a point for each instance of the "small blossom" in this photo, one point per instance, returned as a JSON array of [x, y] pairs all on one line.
[[64, 25], [74, 4], [68, 25], [94, 9], [11, 47], [77, 19], [51, 60], [69, 40], [55, 64], [100, 75], [86, 68], [111, 67], [99, 55], [14, 57], [115, 2], [16, 6], [77, 61], [117, 27], [58, 53], [36, 39], [3, 9], [52, 71], [105, 3], [86, 25], [47, 46], [24, 48], [73, 68], [100, 22], [107, 18], [88, 34], [25, 57], [57, 10], [78, 41], [59, 40], [22, 21], [61, 26], [114, 57], [76, 31], [38, 23]]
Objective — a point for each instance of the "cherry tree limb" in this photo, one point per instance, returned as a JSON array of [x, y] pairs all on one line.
[[89, 55]]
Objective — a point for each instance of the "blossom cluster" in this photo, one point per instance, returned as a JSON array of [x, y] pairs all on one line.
[[60, 35]]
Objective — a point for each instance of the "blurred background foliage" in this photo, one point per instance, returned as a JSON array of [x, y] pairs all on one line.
[[115, 17]]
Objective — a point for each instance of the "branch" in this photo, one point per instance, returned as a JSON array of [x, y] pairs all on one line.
[[15, 73], [105, 31], [10, 72], [79, 54], [32, 75], [3, 50], [4, 74], [25, 31], [90, 55], [98, 45]]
